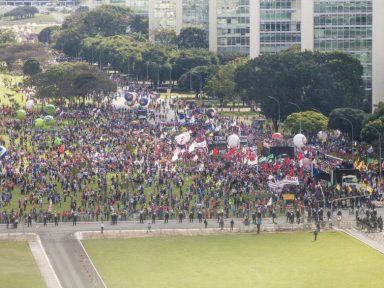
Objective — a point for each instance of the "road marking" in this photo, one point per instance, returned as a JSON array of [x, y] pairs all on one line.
[[78, 235], [44, 264]]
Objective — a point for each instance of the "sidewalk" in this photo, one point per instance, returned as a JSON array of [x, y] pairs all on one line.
[[374, 240]]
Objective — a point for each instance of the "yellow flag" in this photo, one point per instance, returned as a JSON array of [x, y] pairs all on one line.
[[349, 189], [356, 163], [338, 187], [360, 166], [369, 189]]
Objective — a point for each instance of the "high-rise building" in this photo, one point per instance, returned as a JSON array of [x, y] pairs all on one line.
[[346, 26], [194, 13], [229, 26], [253, 27], [162, 16], [351, 26], [280, 25], [137, 6]]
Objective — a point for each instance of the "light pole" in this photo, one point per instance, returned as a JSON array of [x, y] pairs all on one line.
[[316, 110], [190, 81], [298, 107], [380, 169], [158, 78], [322, 192], [350, 123], [278, 108], [147, 72]]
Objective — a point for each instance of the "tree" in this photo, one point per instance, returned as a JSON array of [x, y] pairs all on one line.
[[22, 12], [355, 116], [139, 24], [371, 129], [72, 81], [47, 34], [310, 79], [22, 52], [186, 59], [310, 122], [222, 83], [106, 20], [338, 82], [192, 37], [31, 67], [165, 37], [7, 36], [195, 78], [69, 42]]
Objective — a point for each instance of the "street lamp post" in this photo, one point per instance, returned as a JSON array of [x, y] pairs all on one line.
[[278, 108], [322, 192], [298, 107], [200, 81], [380, 169], [350, 123], [158, 77], [147, 71]]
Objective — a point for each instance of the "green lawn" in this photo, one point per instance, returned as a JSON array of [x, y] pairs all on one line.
[[17, 266], [266, 260], [38, 19], [8, 91]]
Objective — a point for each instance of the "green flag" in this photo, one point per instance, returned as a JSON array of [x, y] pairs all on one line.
[[57, 141]]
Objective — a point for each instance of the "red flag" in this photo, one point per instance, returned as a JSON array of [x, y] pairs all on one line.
[[299, 156], [61, 149]]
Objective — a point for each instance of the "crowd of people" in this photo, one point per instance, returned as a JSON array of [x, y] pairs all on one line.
[[100, 163]]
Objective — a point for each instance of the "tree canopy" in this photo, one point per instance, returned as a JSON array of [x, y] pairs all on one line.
[[22, 12], [12, 53], [71, 81], [195, 78], [31, 67], [337, 120], [309, 79], [104, 21], [310, 122], [7, 36], [47, 35], [192, 37], [222, 83]]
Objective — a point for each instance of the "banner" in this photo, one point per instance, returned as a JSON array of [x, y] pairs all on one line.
[[288, 197], [217, 141]]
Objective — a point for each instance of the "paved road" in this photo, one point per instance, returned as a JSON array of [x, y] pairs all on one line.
[[69, 259], [67, 255]]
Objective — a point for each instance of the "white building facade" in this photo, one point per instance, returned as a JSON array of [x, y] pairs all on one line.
[[352, 26], [254, 27]]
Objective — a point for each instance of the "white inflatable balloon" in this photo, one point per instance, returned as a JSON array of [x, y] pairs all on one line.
[[29, 105], [183, 138], [336, 133], [322, 136], [119, 103], [299, 140], [233, 141]]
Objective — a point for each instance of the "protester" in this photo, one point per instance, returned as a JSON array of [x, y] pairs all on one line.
[[102, 163]]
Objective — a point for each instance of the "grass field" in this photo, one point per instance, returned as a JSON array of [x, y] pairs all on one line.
[[266, 260], [38, 19], [17, 266], [8, 93]]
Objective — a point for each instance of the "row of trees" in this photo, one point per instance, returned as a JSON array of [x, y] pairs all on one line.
[[355, 123], [71, 81], [21, 12]]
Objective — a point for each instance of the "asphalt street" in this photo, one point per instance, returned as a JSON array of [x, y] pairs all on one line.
[[69, 260]]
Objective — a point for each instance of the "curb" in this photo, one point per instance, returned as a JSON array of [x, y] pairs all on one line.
[[78, 236]]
